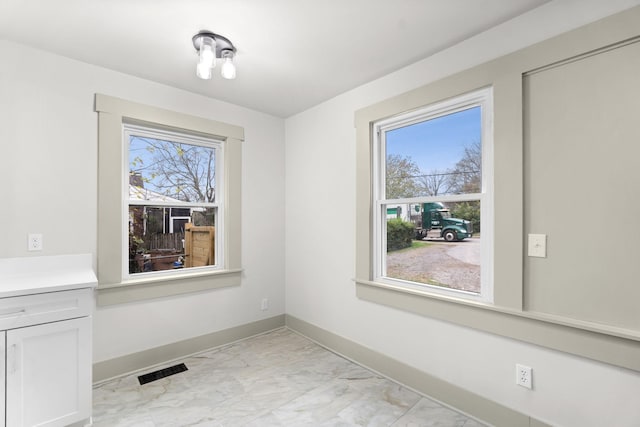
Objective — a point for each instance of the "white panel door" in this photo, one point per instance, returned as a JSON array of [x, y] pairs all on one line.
[[49, 374]]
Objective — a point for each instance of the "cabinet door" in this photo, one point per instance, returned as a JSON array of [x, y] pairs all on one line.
[[49, 374], [2, 376]]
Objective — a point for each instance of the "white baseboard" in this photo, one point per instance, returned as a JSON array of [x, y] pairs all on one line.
[[471, 404], [448, 394], [130, 363]]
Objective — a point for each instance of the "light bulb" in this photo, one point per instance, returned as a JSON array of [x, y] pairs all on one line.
[[203, 71], [207, 58], [228, 69]]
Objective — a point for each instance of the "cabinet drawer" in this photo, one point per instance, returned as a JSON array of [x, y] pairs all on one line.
[[17, 312]]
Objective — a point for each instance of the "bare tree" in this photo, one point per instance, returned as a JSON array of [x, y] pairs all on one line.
[[466, 176], [182, 171], [401, 173], [436, 183]]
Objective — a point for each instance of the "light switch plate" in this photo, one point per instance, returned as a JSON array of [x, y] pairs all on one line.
[[537, 246]]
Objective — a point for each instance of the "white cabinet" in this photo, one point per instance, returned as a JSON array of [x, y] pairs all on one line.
[[49, 374], [2, 375], [45, 342]]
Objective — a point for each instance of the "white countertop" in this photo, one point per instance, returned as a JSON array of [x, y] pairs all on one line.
[[35, 275]]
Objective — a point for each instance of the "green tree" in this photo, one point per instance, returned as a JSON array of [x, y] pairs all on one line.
[[469, 211], [401, 173]]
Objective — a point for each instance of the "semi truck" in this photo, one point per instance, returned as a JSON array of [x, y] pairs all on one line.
[[435, 221]]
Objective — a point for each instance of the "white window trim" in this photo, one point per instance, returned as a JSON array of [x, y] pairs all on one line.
[[482, 98], [185, 138], [112, 289]]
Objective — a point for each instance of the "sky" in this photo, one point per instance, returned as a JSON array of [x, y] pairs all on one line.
[[141, 160], [437, 143]]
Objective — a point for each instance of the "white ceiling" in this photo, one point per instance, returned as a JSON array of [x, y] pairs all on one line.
[[292, 54]]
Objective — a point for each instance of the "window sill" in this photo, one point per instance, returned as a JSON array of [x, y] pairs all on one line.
[[164, 286], [605, 343], [431, 291]]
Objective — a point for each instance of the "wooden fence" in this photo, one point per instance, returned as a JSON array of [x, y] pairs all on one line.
[[194, 246], [199, 245], [173, 241]]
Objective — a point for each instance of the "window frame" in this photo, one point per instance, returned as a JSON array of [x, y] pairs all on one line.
[[113, 114], [482, 98], [129, 130]]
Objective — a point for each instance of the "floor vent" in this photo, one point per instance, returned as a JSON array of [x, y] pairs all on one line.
[[156, 375]]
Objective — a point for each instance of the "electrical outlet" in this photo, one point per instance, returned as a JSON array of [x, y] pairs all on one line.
[[34, 242], [265, 304], [523, 376]]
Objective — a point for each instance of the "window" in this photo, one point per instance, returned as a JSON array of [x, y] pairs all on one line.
[[169, 202], [431, 201], [174, 201]]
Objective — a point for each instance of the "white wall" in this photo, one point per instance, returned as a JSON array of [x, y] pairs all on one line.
[[320, 194], [48, 171], [47, 120]]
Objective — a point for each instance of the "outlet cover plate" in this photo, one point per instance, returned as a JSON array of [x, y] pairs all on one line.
[[524, 376], [34, 242]]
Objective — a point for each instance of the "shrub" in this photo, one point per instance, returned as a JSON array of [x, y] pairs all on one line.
[[399, 234]]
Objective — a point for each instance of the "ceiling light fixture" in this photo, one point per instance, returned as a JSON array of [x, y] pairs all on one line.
[[211, 46]]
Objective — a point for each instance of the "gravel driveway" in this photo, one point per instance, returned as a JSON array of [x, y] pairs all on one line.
[[454, 265]]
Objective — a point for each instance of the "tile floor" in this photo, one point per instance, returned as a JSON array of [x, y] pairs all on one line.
[[276, 379]]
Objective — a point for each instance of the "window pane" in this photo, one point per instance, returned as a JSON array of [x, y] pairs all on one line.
[[167, 238], [171, 171], [435, 157], [434, 244]]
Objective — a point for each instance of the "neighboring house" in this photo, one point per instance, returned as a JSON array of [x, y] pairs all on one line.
[[145, 220]]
